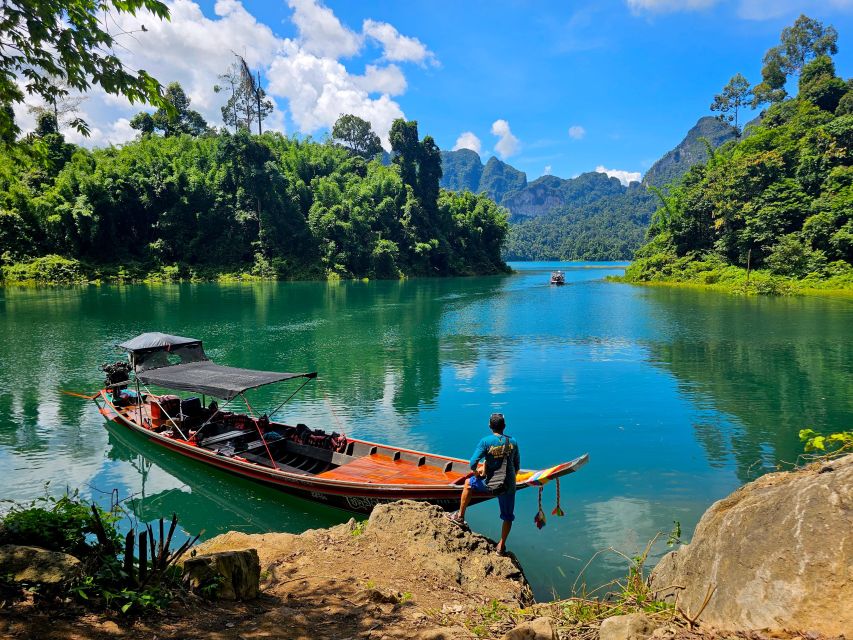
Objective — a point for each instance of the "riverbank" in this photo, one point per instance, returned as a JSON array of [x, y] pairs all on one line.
[[408, 572], [713, 275], [56, 270]]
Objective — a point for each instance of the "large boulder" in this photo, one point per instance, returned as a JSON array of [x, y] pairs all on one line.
[[465, 557], [776, 554], [226, 575], [37, 565]]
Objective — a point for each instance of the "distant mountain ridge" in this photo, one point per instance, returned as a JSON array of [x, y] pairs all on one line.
[[589, 217], [463, 170], [691, 150]]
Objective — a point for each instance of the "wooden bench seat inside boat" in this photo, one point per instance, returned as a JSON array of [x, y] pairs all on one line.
[[381, 469], [263, 459], [222, 437]]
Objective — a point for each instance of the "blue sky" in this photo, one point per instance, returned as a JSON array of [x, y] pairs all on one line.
[[628, 78]]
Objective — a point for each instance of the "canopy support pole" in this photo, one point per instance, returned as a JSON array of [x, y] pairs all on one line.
[[274, 411], [248, 406], [258, 427], [264, 440], [139, 401], [213, 415]]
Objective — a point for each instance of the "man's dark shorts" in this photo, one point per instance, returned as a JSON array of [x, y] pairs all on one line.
[[505, 500]]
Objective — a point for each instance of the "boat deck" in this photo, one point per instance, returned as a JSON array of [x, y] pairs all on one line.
[[374, 468], [380, 469]]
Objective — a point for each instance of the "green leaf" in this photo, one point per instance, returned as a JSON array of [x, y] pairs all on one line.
[[806, 434]]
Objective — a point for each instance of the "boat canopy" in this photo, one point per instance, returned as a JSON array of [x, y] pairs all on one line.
[[212, 379], [156, 341], [155, 350], [179, 363]]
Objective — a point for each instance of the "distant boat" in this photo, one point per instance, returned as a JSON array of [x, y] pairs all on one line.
[[329, 468], [558, 278]]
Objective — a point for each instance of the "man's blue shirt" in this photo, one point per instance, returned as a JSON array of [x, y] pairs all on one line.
[[493, 449]]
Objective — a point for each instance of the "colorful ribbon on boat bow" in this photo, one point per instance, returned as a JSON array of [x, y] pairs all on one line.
[[536, 478]]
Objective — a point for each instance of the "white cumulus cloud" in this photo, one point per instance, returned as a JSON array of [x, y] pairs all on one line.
[[304, 74], [547, 171], [467, 140], [319, 90], [388, 80], [625, 177], [576, 132], [187, 49], [397, 47], [320, 31], [508, 144]]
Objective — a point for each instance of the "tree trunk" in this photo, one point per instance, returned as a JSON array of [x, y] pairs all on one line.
[[258, 95]]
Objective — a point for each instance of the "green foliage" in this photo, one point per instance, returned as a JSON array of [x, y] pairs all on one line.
[[357, 135], [185, 207], [834, 443], [735, 95], [791, 257], [58, 524], [173, 119], [600, 220], [819, 84], [774, 212], [674, 536], [53, 45], [805, 40], [359, 528], [113, 577], [50, 268]]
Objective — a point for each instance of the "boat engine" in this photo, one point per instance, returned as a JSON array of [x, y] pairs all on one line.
[[116, 374]]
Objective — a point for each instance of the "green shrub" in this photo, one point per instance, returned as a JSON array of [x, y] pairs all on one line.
[[112, 579], [64, 524], [51, 269]]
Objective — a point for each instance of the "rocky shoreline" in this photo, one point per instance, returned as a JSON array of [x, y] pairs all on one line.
[[776, 558]]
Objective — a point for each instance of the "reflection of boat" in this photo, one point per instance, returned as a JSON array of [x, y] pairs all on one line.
[[207, 499], [326, 467], [558, 278]]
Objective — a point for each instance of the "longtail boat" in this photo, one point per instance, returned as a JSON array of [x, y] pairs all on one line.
[[329, 468]]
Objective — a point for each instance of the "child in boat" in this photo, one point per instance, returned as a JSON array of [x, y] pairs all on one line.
[[495, 476]]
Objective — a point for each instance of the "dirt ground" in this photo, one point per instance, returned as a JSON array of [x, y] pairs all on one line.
[[407, 573]]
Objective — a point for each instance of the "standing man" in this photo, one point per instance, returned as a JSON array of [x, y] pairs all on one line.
[[496, 476]]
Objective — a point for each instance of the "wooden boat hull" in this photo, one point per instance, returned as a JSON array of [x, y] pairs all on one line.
[[354, 490]]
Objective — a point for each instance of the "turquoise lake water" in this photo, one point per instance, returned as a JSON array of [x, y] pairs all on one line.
[[679, 396]]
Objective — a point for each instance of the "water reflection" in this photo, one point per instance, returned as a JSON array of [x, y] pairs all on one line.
[[160, 483], [775, 365]]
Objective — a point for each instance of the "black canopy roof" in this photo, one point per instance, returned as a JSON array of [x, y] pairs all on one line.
[[155, 340], [213, 379], [151, 355]]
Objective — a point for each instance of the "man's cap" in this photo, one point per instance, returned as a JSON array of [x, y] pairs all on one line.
[[496, 422]]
